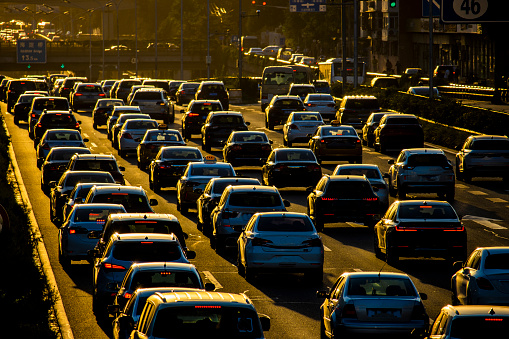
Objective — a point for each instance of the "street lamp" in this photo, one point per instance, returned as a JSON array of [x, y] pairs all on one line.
[[90, 11], [118, 36], [239, 39]]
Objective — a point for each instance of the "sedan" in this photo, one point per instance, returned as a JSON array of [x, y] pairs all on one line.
[[372, 303], [186, 92], [291, 167], [368, 130], [103, 109], [23, 106], [57, 138], [152, 142], [52, 120], [336, 142], [247, 148], [299, 126], [131, 133], [280, 242], [420, 228], [322, 103], [482, 278]]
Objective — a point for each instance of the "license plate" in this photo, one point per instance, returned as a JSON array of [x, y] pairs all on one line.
[[431, 177], [384, 313], [213, 94]]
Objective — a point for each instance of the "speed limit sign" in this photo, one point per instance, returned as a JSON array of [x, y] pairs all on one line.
[[474, 11]]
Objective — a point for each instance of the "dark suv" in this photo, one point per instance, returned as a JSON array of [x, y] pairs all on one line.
[[280, 107], [398, 131], [213, 90], [68, 84], [124, 87], [54, 119], [197, 112], [15, 89], [97, 162], [86, 96], [356, 109], [41, 104], [219, 126]]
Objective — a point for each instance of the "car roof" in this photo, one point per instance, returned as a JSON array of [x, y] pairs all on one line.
[[476, 310], [296, 97], [62, 130], [423, 202], [201, 297], [96, 205], [202, 101], [94, 156], [163, 265], [489, 137], [358, 166], [302, 85], [134, 237], [70, 172], [399, 115], [252, 188], [234, 179], [282, 214], [147, 89], [348, 177], [128, 108], [495, 249], [225, 113], [112, 188], [359, 97], [144, 216], [424, 151], [212, 83], [377, 274], [181, 148], [287, 149]]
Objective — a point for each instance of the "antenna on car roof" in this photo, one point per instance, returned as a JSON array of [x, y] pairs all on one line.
[[385, 263]]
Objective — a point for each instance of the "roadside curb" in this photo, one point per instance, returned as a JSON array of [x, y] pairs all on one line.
[[39, 251]]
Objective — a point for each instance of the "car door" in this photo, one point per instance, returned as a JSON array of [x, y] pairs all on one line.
[[267, 168], [396, 168], [386, 222], [331, 304], [466, 275], [203, 202]]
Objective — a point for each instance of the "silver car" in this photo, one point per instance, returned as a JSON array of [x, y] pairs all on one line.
[[117, 126], [131, 133], [323, 103], [151, 101], [117, 111], [300, 126]]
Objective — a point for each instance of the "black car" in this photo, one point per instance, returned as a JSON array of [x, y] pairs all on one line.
[[398, 131], [68, 84], [342, 198], [195, 116], [368, 130], [169, 165], [97, 162], [186, 92], [218, 127], [23, 106], [86, 95], [173, 88], [103, 109], [52, 120], [247, 148], [280, 107], [3, 89], [420, 228], [41, 104], [15, 89], [213, 90], [291, 167], [152, 142]]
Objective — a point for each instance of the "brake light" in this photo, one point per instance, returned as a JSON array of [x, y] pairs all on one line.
[[127, 295], [349, 311], [146, 242], [45, 146], [127, 136], [207, 104], [419, 313], [114, 267], [259, 242], [280, 168], [72, 231], [313, 167], [370, 199], [192, 114], [207, 306], [182, 92], [102, 94], [78, 94], [236, 147], [77, 125], [293, 126], [265, 148], [39, 125], [311, 105], [484, 283], [315, 242]]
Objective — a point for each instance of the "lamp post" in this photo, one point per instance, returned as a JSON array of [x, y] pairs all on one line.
[[155, 42], [181, 39], [239, 39], [90, 11], [208, 40], [118, 35]]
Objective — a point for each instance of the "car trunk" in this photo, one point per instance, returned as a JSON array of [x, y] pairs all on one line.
[[340, 142], [384, 309]]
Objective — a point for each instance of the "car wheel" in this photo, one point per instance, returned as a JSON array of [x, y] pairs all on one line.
[[212, 241], [204, 145], [319, 224], [266, 123], [156, 186], [183, 207], [220, 245], [64, 261], [16, 120], [171, 120], [467, 177], [289, 143], [376, 147], [323, 335], [392, 190], [122, 153], [376, 249], [284, 142], [249, 273], [240, 268], [94, 125], [207, 228], [454, 300], [178, 205], [364, 142], [151, 182], [271, 125]]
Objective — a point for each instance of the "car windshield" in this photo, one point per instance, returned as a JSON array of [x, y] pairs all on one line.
[[471, 327], [362, 104], [284, 224], [344, 189], [412, 211], [164, 278], [244, 137], [486, 145], [290, 155], [499, 261], [182, 322], [415, 160], [306, 117], [181, 154], [370, 173], [98, 215], [109, 165], [254, 199], [227, 119], [163, 136], [337, 131], [64, 136], [379, 287], [147, 251], [211, 171]]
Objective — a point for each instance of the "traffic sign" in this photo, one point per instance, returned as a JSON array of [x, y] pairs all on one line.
[[31, 51], [308, 5], [425, 8], [474, 11]]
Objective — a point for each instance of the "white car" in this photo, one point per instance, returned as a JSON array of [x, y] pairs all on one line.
[[279, 242], [131, 134], [299, 127], [323, 103], [482, 278]]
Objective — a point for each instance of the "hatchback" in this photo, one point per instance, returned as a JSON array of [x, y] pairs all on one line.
[[152, 101], [41, 104], [119, 123], [97, 162], [279, 108], [368, 129], [354, 110], [398, 131], [300, 126], [186, 92], [79, 194], [68, 84], [196, 114], [15, 88], [302, 90], [247, 148], [124, 87], [331, 142], [213, 90], [219, 125]]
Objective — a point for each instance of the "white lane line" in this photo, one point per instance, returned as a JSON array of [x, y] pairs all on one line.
[[477, 193], [461, 186], [326, 249], [496, 200], [213, 280], [85, 136], [487, 222], [357, 270], [354, 224], [93, 144]]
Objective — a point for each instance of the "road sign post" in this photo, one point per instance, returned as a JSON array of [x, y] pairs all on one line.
[[31, 51], [474, 11]]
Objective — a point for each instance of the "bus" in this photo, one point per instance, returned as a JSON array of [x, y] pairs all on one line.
[[331, 69], [276, 80]]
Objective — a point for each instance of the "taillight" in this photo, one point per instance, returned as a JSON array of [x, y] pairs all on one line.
[[259, 242], [77, 125], [229, 214], [265, 148], [39, 125], [45, 146], [113, 267], [192, 114], [311, 105], [313, 167], [78, 94], [33, 115], [102, 94], [182, 92], [293, 126], [484, 283], [419, 313], [349, 311], [315, 242], [370, 199], [236, 147], [127, 136], [192, 183], [280, 168], [127, 295]]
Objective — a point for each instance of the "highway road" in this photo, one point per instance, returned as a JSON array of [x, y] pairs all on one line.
[[289, 300]]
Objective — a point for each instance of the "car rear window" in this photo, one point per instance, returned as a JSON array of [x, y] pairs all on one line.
[[95, 165], [181, 154], [66, 154], [497, 262], [212, 88], [51, 104], [250, 137], [22, 85], [380, 286], [132, 202], [415, 160], [306, 117], [473, 327], [90, 89], [285, 224], [71, 180], [164, 278], [219, 186], [98, 215], [211, 171], [288, 103], [109, 103], [254, 199], [63, 136], [337, 131], [295, 156], [486, 145], [362, 104], [345, 189], [141, 124], [227, 119], [402, 121], [368, 172], [147, 251], [205, 107], [148, 96], [320, 97], [411, 211], [163, 136], [58, 118]]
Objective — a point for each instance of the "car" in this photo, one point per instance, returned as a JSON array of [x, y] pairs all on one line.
[[40, 104], [113, 89], [280, 242], [354, 110], [421, 170], [308, 61], [445, 74], [152, 142], [55, 91], [300, 126], [133, 90], [111, 265], [129, 136], [69, 179], [291, 167], [117, 111], [483, 156], [423, 91], [54, 120], [194, 118], [280, 107], [284, 53], [384, 82], [124, 87], [97, 162], [68, 84], [255, 51], [322, 103], [103, 109], [298, 58], [420, 228], [335, 141], [294, 56], [78, 195], [470, 322], [55, 163], [159, 274], [169, 165], [174, 86], [86, 95], [322, 86], [236, 205], [22, 107], [106, 86], [302, 90], [481, 279], [158, 83], [413, 71], [247, 148], [186, 92], [73, 236], [3, 89], [209, 199], [14, 89], [57, 138], [398, 131], [343, 198], [375, 177], [271, 51], [372, 303], [133, 198], [195, 177], [152, 101], [369, 127], [218, 127], [213, 90], [119, 123]]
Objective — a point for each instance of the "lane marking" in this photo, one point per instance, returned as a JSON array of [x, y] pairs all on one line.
[[213, 280], [85, 135], [93, 144], [461, 186], [326, 249], [354, 224], [487, 222], [477, 193], [496, 200]]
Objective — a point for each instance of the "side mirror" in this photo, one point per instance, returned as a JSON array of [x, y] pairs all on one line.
[[271, 142], [79, 122], [153, 202], [210, 287], [265, 322], [390, 162], [286, 203], [191, 255], [182, 111], [423, 296], [121, 168]]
